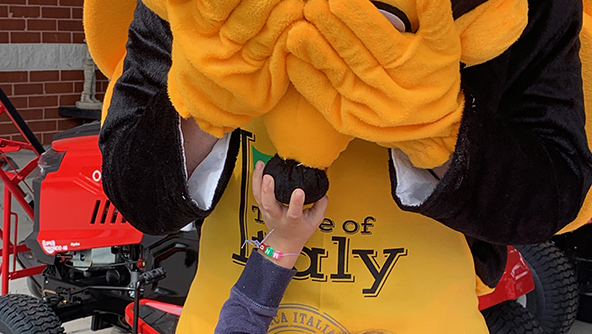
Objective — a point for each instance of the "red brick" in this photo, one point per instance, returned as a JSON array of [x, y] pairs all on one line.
[[50, 113], [43, 101], [47, 137], [28, 89], [100, 97], [79, 86], [31, 114], [4, 37], [19, 137], [59, 88], [39, 126], [43, 2], [57, 37], [69, 100], [12, 24], [25, 37], [37, 76], [65, 124], [3, 11], [100, 75], [55, 13], [4, 118], [7, 89], [70, 25], [76, 13], [77, 37], [73, 3], [7, 128], [70, 75], [24, 11], [17, 76], [41, 24], [20, 102], [14, 2]]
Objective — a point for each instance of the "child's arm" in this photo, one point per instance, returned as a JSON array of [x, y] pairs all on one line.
[[255, 297], [293, 225]]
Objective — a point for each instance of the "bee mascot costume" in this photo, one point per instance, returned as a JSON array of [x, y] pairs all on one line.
[[371, 98]]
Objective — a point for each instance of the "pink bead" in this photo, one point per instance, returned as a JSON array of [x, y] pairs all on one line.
[[277, 255]]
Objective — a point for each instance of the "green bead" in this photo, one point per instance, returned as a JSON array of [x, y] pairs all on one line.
[[269, 251]]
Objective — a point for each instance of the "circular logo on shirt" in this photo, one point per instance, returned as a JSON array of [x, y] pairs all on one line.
[[299, 318]]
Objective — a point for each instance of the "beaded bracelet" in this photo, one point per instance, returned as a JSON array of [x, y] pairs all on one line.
[[275, 254]]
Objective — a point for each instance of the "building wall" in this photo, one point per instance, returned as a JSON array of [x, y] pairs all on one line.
[[41, 63]]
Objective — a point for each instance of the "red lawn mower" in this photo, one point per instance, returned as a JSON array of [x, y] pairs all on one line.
[[83, 258]]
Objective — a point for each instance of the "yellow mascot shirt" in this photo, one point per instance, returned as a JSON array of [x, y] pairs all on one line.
[[369, 266]]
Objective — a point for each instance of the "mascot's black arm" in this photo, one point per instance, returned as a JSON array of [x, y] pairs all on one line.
[[519, 173], [143, 161], [522, 166]]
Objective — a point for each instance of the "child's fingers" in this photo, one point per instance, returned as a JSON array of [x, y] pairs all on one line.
[[268, 202], [296, 203], [317, 211], [257, 179]]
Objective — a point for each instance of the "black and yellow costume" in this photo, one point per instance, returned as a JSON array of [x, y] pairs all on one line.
[[495, 86]]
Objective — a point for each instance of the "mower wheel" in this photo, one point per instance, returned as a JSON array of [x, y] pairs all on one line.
[[510, 317], [555, 299], [23, 314]]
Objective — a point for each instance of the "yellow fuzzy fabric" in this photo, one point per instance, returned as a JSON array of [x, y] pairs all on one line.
[[229, 59], [295, 111], [397, 89], [352, 73], [477, 29], [106, 23], [372, 82]]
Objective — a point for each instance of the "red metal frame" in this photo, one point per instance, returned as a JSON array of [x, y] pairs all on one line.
[[142, 326], [11, 180]]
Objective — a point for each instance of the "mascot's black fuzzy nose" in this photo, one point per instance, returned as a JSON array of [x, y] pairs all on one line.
[[290, 175]]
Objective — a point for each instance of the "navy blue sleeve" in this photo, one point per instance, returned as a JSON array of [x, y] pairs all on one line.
[[255, 297]]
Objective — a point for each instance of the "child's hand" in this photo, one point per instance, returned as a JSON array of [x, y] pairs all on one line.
[[292, 225]]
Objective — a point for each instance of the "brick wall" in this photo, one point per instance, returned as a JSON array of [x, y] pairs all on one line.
[[37, 92], [37, 96]]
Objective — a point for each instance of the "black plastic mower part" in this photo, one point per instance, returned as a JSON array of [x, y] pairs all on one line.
[[148, 277], [160, 321], [89, 129]]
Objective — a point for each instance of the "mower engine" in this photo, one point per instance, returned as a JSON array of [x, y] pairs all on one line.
[[94, 256]]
